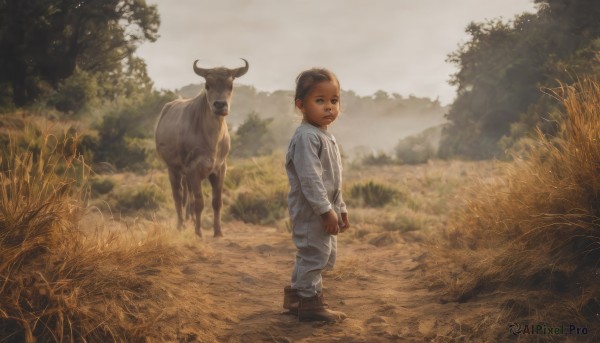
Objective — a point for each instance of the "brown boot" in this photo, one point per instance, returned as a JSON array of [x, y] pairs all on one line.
[[291, 299], [315, 309]]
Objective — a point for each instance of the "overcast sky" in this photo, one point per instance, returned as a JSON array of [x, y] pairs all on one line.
[[399, 46]]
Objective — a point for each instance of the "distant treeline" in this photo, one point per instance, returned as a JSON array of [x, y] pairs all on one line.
[[368, 125], [507, 70], [75, 60]]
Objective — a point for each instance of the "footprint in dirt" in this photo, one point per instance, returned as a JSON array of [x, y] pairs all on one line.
[[388, 311], [264, 249]]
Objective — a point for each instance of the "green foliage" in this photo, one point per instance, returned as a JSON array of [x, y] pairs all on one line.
[[75, 94], [378, 159], [376, 122], [372, 194], [406, 220], [253, 137], [260, 207], [419, 148], [258, 188], [147, 197], [44, 42], [19, 135], [102, 185], [125, 134], [411, 150], [504, 65]]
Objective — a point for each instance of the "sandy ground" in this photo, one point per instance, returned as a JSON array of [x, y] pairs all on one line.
[[231, 289]]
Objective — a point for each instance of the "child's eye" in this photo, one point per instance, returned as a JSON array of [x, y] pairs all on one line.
[[319, 101], [334, 101]]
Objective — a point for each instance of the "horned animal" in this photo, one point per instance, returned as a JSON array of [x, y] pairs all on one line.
[[192, 138]]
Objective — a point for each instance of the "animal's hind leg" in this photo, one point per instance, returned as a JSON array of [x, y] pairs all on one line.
[[175, 179], [187, 199], [216, 181], [195, 190]]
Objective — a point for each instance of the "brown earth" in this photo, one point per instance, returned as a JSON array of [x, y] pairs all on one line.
[[230, 290]]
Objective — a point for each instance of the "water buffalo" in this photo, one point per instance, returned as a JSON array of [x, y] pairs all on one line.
[[192, 138]]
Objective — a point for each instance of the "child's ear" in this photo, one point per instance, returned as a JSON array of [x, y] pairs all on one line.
[[299, 104]]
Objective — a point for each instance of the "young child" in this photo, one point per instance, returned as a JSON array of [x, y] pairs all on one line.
[[316, 206]]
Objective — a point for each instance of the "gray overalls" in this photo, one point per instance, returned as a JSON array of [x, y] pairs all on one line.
[[314, 170]]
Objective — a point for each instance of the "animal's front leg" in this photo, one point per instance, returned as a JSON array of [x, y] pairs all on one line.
[[216, 181], [188, 201], [175, 180], [195, 185]]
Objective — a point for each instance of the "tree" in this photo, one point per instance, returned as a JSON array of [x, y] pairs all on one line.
[[503, 68], [124, 133], [253, 137], [44, 41]]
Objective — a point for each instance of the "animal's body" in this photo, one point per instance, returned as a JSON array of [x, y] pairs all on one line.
[[193, 140]]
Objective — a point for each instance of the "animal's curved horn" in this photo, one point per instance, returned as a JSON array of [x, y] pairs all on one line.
[[200, 71], [240, 71]]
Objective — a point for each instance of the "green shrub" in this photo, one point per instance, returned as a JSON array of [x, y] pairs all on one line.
[[259, 208], [147, 197], [102, 185], [125, 134], [419, 148], [378, 159], [253, 137], [373, 194], [405, 220], [75, 94]]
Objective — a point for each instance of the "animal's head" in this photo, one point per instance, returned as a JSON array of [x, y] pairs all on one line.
[[219, 86]]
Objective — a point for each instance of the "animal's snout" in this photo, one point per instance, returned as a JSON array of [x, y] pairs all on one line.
[[219, 104]]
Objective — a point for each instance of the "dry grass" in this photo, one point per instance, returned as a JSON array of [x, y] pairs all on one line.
[[426, 196], [534, 234], [56, 283]]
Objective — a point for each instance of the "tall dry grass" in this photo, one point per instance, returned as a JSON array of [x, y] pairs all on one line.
[[58, 284], [534, 235]]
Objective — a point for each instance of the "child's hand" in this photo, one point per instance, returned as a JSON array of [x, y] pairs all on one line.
[[346, 222], [330, 222]]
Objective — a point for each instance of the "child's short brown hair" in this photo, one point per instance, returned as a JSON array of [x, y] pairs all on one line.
[[308, 78]]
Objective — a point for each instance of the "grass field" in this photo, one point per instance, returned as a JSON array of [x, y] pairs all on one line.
[[446, 251]]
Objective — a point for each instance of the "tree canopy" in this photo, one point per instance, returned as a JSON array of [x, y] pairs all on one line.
[[504, 68], [43, 42]]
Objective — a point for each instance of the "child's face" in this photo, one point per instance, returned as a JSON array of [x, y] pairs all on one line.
[[321, 105]]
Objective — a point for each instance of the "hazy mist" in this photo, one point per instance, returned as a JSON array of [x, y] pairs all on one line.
[[395, 46], [367, 125]]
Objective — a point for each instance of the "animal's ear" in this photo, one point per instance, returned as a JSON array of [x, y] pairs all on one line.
[[235, 73]]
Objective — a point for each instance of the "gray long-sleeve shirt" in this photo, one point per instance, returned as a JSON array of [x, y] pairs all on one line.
[[314, 170]]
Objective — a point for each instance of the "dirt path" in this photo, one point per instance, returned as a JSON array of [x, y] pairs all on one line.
[[231, 290]]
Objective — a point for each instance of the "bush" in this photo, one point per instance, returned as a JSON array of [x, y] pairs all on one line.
[[260, 208], [379, 159], [405, 220], [373, 194], [253, 137], [420, 148], [147, 197], [258, 189], [125, 134], [75, 94], [102, 185]]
